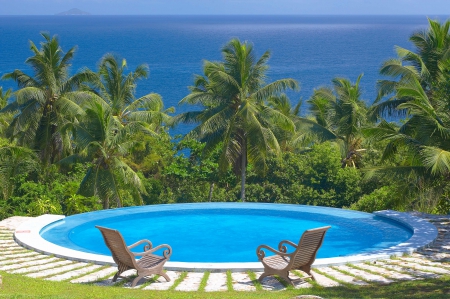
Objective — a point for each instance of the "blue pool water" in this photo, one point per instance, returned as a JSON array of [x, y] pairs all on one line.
[[228, 232]]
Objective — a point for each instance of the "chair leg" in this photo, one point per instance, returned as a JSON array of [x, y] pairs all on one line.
[[262, 276], [120, 270], [136, 280], [286, 278], [308, 271], [163, 274], [116, 276]]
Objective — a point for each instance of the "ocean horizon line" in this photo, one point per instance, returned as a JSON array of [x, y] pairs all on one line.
[[231, 15]]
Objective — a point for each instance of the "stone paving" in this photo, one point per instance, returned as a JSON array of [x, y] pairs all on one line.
[[216, 282], [430, 262]]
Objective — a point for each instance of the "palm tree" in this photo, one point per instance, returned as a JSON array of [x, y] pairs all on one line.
[[47, 101], [426, 133], [5, 118], [426, 64], [118, 90], [235, 115], [423, 139], [338, 114], [103, 141], [419, 90]]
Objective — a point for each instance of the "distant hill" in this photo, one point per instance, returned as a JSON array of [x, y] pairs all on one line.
[[73, 12]]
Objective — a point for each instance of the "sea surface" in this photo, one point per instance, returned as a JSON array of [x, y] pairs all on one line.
[[310, 49]]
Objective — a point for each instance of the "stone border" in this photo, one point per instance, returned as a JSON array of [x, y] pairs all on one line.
[[424, 233]]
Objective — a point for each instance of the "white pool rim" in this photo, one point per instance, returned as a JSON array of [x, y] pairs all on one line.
[[424, 233]]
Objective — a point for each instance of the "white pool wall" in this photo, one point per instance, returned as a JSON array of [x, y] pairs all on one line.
[[424, 233]]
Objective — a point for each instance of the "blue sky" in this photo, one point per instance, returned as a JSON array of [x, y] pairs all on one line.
[[176, 7]]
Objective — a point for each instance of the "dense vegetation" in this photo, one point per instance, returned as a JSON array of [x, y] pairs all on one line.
[[76, 143]]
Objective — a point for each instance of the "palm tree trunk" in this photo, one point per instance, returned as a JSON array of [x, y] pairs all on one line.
[[211, 189], [106, 203], [243, 169]]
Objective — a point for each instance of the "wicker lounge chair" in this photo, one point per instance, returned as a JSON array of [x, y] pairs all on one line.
[[300, 259], [125, 259]]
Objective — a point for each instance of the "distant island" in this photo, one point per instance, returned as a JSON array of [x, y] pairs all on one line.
[[73, 12]]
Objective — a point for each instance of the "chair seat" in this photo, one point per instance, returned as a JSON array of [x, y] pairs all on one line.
[[276, 261], [300, 259], [148, 264], [150, 261]]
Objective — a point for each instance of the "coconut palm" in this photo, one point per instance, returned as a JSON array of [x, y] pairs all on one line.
[[426, 64], [338, 114], [103, 141], [118, 90], [235, 115], [425, 134], [5, 118], [419, 90], [47, 100], [423, 141]]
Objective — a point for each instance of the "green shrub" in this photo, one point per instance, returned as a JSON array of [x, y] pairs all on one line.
[[49, 191], [76, 204], [383, 198], [314, 177], [266, 192], [443, 205]]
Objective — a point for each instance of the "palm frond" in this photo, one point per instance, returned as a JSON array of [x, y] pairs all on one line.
[[436, 159], [307, 126], [274, 88], [393, 172]]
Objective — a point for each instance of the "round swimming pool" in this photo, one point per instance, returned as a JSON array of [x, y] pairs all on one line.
[[227, 232]]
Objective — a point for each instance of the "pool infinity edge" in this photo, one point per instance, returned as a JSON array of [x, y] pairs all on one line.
[[424, 233]]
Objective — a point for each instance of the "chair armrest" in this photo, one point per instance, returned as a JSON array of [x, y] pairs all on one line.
[[148, 246], [261, 254], [283, 248], [167, 252]]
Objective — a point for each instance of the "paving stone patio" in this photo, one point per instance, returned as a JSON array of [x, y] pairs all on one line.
[[430, 262]]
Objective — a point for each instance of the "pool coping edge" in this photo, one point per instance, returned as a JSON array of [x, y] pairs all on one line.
[[424, 233]]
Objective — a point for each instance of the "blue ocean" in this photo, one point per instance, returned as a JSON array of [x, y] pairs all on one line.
[[310, 49]]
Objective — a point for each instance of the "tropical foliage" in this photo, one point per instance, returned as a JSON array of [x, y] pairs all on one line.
[[340, 114], [233, 94], [118, 90], [76, 143], [5, 118], [46, 101], [429, 65], [102, 141], [421, 94]]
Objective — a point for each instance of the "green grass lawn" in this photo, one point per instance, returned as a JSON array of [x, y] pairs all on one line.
[[17, 286]]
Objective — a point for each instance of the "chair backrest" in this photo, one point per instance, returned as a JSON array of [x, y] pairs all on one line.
[[309, 244], [116, 244]]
